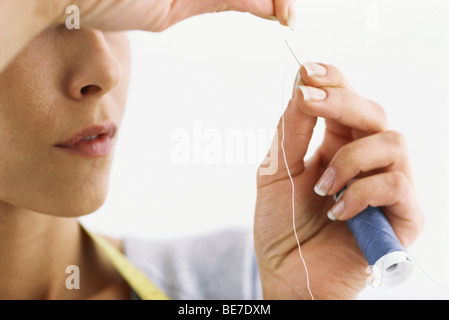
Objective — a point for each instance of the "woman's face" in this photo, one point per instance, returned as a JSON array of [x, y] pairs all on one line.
[[61, 100]]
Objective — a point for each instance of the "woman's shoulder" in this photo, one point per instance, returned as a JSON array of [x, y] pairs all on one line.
[[218, 265]]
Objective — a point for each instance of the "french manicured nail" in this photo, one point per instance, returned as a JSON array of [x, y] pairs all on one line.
[[336, 210], [326, 182], [315, 70], [291, 18], [313, 94]]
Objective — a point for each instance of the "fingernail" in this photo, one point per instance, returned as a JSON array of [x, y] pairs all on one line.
[[273, 18], [326, 182], [291, 18], [312, 94], [336, 211], [314, 69]]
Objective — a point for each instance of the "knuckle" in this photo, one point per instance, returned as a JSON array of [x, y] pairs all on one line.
[[397, 139], [382, 115], [398, 182]]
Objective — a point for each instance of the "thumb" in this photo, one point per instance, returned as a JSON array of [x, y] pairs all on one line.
[[291, 141]]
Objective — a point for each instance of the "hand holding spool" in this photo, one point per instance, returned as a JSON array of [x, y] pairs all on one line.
[[356, 144], [390, 264]]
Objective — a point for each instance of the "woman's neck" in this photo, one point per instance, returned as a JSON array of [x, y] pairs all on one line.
[[35, 251]]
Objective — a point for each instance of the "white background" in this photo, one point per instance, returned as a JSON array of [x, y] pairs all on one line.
[[233, 71]]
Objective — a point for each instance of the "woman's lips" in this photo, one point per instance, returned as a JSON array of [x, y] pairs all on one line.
[[92, 142]]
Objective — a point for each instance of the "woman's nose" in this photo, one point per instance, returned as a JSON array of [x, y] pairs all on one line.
[[95, 70]]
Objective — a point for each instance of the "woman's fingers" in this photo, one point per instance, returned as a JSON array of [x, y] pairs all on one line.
[[390, 190], [158, 15], [327, 93], [343, 106], [323, 75], [294, 131], [385, 189], [282, 10], [386, 150], [362, 149], [285, 12], [377, 172]]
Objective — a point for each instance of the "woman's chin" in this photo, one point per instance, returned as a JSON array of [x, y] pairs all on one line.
[[81, 207], [79, 211], [77, 199], [66, 206]]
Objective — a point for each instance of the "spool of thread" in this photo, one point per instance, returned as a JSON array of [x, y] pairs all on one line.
[[390, 264]]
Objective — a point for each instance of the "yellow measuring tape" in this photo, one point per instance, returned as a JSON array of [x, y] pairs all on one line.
[[141, 285]]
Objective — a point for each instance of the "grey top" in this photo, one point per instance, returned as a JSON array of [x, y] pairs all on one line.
[[214, 266]]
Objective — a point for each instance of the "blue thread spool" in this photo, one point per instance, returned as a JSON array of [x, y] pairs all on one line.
[[390, 264]]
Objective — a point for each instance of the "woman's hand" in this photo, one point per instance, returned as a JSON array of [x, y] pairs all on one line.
[[23, 20], [158, 15], [356, 145]]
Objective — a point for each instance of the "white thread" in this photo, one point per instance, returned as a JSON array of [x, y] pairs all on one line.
[[293, 210], [291, 179], [439, 284]]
